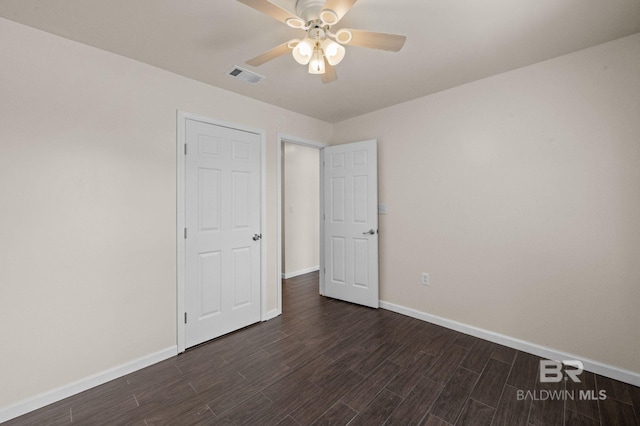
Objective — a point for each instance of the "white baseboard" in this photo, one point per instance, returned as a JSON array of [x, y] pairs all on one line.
[[39, 401], [272, 314], [288, 275], [597, 367]]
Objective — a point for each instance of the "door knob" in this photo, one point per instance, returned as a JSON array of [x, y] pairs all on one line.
[[369, 232], [257, 237]]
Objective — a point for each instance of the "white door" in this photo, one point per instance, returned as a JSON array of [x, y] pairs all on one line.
[[223, 237], [351, 222]]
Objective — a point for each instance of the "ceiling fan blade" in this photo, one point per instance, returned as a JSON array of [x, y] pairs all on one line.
[[340, 7], [277, 51], [329, 73], [390, 42], [270, 9]]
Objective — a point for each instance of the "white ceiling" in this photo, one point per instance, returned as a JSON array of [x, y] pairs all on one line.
[[449, 42]]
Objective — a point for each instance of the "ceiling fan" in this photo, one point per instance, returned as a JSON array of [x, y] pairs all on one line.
[[321, 49]]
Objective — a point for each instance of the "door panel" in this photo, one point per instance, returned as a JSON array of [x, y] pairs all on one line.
[[337, 198], [361, 262], [210, 282], [222, 213], [210, 193], [339, 260], [351, 204], [241, 276]]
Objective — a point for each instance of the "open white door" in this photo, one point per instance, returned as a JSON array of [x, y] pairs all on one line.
[[351, 222]]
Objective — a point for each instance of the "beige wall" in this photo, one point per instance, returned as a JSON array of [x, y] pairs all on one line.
[[88, 202], [520, 195], [300, 208]]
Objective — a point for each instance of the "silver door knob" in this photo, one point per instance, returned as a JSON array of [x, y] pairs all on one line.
[[369, 232], [257, 237]]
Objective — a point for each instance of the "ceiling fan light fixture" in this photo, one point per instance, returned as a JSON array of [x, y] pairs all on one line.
[[321, 50], [316, 65], [329, 17], [303, 51], [333, 52]]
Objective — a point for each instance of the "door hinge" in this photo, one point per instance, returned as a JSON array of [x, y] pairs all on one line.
[[185, 149], [185, 317], [185, 233]]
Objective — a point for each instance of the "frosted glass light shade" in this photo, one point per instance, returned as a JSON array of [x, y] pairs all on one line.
[[316, 65], [303, 51], [333, 52]]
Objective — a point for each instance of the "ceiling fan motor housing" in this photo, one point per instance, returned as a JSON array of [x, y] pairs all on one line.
[[309, 10]]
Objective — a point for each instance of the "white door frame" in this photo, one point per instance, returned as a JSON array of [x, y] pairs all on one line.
[[181, 117], [283, 138]]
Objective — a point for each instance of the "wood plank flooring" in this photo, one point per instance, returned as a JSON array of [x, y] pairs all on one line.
[[326, 362]]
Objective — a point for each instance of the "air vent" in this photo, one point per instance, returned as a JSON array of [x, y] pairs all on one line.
[[245, 75]]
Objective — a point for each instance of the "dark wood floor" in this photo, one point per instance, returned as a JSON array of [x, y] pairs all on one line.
[[328, 362]]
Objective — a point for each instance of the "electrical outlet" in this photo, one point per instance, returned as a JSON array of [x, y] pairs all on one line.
[[425, 278]]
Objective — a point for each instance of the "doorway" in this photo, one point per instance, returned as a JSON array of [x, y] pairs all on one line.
[[348, 258], [300, 210], [299, 182]]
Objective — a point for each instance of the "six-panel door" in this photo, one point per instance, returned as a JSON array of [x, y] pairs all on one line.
[[222, 212], [351, 222]]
